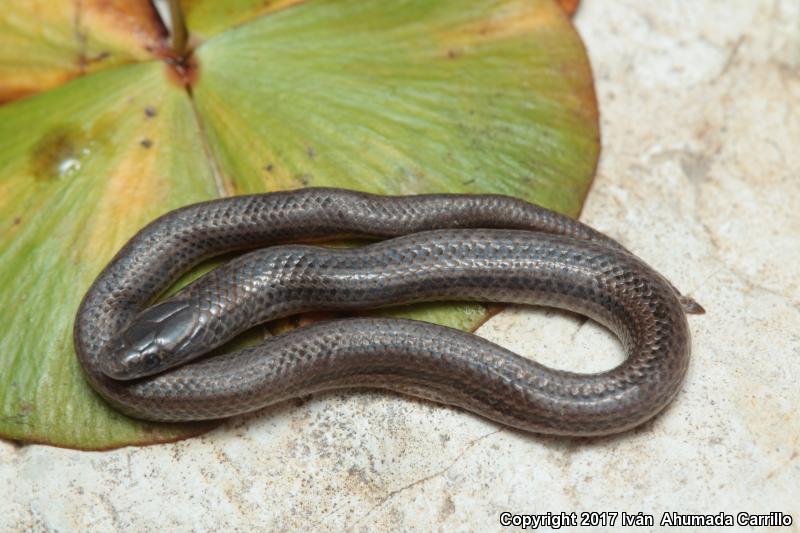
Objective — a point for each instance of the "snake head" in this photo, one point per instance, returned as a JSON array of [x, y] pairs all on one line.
[[155, 340]]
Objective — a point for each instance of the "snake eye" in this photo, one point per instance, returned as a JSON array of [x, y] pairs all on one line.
[[151, 361]]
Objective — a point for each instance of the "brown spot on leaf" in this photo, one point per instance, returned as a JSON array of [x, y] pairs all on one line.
[[453, 53], [150, 111], [269, 167], [17, 220], [57, 154], [146, 143], [184, 71]]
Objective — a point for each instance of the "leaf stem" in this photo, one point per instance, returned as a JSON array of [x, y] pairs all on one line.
[[179, 35], [171, 16]]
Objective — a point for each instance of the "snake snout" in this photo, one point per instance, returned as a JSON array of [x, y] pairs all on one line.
[[127, 361], [155, 341]]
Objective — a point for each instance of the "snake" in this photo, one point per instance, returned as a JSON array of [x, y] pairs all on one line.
[[148, 356]]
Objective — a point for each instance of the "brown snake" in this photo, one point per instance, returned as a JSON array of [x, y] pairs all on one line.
[[441, 247]]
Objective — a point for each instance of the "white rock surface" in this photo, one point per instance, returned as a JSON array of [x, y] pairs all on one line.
[[700, 175]]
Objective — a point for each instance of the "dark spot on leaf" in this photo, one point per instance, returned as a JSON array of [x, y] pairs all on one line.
[[304, 179], [17, 220], [146, 143], [150, 111], [311, 153], [105, 54], [269, 167], [453, 54], [58, 154], [183, 71]]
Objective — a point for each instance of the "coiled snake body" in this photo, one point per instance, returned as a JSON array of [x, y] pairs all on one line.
[[441, 247]]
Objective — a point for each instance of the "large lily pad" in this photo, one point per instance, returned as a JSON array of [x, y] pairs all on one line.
[[381, 95]]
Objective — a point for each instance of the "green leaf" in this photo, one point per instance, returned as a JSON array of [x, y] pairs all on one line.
[[390, 96], [402, 97], [90, 167], [210, 17]]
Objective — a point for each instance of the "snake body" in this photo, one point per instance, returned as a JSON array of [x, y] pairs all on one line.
[[440, 247]]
